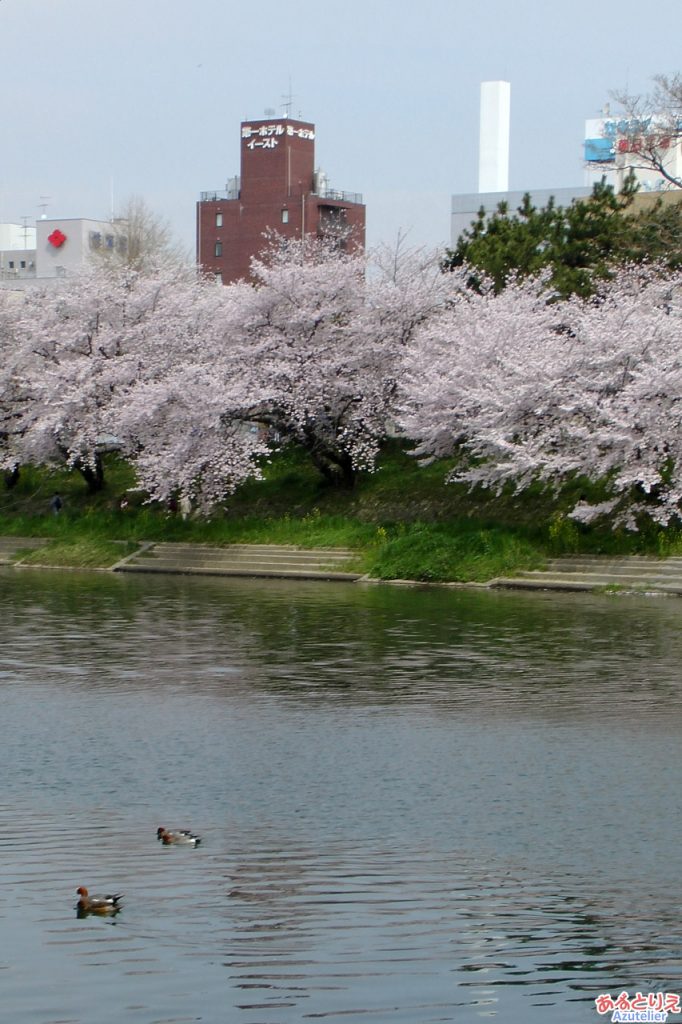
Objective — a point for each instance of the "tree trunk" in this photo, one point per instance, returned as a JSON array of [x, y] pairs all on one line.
[[93, 475], [336, 467], [12, 477]]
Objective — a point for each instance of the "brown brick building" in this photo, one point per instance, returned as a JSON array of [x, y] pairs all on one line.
[[278, 190]]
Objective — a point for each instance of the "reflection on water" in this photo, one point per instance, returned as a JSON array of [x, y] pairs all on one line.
[[416, 805]]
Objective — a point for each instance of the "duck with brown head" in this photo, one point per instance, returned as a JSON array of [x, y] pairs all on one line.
[[177, 837], [99, 904]]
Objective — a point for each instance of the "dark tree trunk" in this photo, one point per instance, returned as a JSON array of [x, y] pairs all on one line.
[[336, 467], [12, 477], [93, 475]]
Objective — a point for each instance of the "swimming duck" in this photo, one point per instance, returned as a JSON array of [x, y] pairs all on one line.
[[179, 837], [88, 904]]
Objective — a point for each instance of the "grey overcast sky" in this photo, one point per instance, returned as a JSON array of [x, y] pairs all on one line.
[[149, 94]]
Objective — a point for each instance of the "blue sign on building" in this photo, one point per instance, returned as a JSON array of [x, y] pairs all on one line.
[[599, 150]]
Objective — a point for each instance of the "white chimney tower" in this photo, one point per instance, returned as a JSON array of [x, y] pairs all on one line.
[[493, 152]]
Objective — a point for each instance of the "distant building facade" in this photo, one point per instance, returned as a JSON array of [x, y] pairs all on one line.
[[612, 149], [54, 248], [17, 251], [278, 190], [607, 155]]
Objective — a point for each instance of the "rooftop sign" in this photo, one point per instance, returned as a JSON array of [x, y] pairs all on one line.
[[267, 136]]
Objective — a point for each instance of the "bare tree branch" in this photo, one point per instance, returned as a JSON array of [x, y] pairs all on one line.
[[647, 133]]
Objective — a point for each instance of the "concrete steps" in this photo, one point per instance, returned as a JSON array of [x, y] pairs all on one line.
[[634, 573], [10, 546], [270, 560]]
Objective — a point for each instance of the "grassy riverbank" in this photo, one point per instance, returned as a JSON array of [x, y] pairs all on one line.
[[402, 520]]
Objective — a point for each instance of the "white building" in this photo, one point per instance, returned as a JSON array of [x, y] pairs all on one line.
[[62, 246], [612, 147], [17, 251], [17, 236], [57, 247]]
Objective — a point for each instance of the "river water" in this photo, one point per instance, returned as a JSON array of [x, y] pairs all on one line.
[[417, 805]]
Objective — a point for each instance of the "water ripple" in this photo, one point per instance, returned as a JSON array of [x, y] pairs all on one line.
[[415, 807]]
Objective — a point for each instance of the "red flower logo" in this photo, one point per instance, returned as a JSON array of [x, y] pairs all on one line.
[[57, 238]]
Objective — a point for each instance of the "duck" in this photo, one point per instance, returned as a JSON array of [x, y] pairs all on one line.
[[178, 837], [88, 904]]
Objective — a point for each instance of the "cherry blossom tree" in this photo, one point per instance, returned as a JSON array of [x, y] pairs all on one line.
[[460, 362], [623, 398], [184, 375], [180, 416], [63, 338], [329, 349], [322, 338], [310, 354], [543, 392], [14, 397], [80, 346]]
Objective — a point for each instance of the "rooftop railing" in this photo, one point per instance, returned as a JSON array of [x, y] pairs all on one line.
[[214, 197], [341, 197], [330, 193]]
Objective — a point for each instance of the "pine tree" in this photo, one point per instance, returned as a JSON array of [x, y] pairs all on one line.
[[580, 244]]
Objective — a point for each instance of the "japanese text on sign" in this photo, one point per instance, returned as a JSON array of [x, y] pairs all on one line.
[[266, 136]]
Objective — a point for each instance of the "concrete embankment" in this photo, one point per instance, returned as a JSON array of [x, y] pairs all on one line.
[[11, 548], [274, 560], [631, 574]]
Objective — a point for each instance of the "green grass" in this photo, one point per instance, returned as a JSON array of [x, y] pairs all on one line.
[[403, 521], [450, 552], [86, 553]]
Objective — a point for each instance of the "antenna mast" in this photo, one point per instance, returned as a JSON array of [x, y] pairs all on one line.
[[288, 101]]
